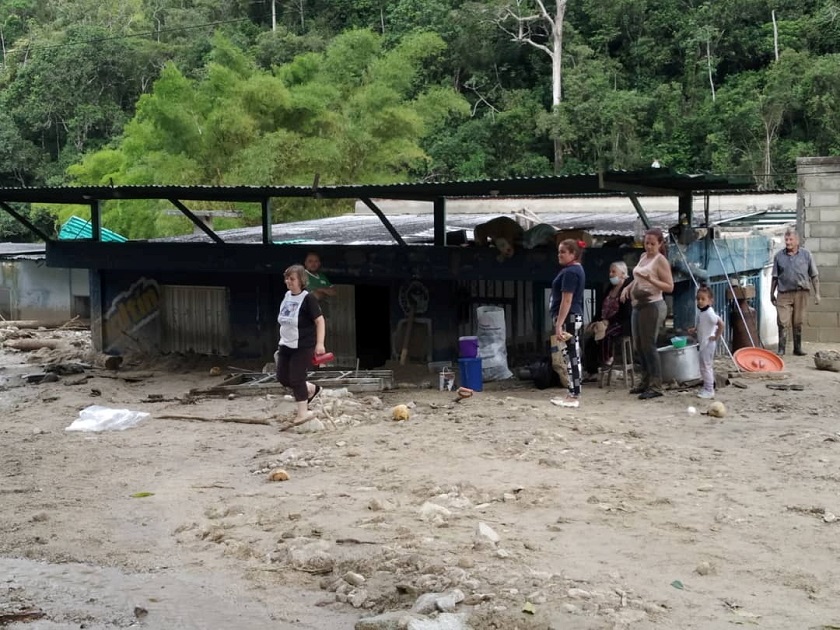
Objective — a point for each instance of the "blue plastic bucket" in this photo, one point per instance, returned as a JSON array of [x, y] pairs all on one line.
[[468, 347], [470, 373]]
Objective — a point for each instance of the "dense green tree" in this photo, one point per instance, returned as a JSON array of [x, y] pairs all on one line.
[[352, 114]]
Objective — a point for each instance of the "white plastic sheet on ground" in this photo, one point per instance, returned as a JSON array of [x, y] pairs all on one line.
[[491, 343], [99, 418]]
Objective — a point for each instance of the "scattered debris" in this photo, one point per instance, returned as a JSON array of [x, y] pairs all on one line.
[[827, 360], [785, 386], [175, 416], [28, 345], [400, 413], [20, 616], [278, 474], [717, 409]]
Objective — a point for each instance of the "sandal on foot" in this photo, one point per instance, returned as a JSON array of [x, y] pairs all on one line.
[[315, 395]]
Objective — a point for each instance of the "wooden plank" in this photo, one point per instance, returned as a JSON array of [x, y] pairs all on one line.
[[352, 385]]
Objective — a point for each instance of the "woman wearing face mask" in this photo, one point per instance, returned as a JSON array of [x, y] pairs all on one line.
[[612, 321]]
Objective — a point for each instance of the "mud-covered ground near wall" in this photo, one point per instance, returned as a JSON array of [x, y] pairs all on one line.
[[518, 513]]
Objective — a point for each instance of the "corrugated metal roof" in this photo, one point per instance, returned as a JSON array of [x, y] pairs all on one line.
[[767, 218], [27, 251], [418, 229], [75, 228], [645, 181]]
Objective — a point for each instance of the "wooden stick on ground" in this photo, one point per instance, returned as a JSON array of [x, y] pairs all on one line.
[[27, 345], [172, 416]]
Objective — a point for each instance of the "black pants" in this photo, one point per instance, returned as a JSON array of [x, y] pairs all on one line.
[[292, 364]]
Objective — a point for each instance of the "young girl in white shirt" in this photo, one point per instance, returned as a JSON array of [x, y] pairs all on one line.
[[708, 328]]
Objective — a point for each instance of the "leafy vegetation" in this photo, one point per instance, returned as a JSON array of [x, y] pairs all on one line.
[[368, 91]]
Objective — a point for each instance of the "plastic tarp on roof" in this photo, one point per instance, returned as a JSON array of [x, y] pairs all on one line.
[[76, 228]]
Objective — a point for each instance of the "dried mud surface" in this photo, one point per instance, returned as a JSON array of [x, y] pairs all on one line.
[[620, 514]]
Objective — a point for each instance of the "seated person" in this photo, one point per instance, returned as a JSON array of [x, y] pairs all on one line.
[[612, 321]]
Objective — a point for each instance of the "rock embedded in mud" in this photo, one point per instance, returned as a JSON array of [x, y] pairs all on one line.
[[449, 600], [356, 579], [380, 505], [396, 620], [429, 511], [444, 621], [578, 593], [484, 534], [357, 597]]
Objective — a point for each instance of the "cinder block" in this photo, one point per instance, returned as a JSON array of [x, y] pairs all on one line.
[[823, 200], [829, 245], [814, 245], [828, 335], [829, 274], [830, 216], [812, 215], [821, 320], [828, 290], [826, 305], [822, 230], [826, 259], [811, 334]]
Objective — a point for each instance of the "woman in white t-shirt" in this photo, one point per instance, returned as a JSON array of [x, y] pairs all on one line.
[[302, 330]]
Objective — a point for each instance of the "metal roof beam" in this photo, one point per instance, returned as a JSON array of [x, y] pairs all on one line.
[[635, 188], [24, 221], [265, 207], [639, 210], [198, 222], [388, 226]]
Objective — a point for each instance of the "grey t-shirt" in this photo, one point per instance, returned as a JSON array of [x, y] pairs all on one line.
[[793, 272]]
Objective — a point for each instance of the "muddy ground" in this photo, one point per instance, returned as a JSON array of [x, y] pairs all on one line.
[[620, 514]]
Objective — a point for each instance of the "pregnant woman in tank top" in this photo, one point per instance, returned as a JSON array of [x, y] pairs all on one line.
[[651, 278]]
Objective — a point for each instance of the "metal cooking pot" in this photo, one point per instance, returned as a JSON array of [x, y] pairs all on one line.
[[680, 364]]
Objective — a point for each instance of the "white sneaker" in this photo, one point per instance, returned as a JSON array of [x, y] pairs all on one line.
[[704, 394]]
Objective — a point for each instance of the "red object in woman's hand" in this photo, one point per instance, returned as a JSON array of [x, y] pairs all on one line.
[[320, 359]]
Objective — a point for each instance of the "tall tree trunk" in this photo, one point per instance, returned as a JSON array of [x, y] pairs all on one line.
[[557, 76]]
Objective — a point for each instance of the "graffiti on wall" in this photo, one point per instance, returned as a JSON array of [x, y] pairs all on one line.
[[129, 312]]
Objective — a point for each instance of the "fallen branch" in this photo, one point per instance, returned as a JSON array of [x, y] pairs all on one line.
[[7, 618], [291, 424], [764, 376], [173, 416], [27, 345]]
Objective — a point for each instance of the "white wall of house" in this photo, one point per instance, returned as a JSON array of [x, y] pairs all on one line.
[[33, 291]]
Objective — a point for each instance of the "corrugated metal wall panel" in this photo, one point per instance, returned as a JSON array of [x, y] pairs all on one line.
[[195, 319], [517, 298], [341, 325]]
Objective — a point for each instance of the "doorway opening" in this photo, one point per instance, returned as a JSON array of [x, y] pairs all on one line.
[[373, 325]]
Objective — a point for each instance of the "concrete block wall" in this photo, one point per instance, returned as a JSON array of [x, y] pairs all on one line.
[[818, 223]]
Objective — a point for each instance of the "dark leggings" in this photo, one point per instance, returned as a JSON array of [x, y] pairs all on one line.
[[647, 321], [292, 364]]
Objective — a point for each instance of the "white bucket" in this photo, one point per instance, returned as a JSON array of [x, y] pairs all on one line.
[[447, 380]]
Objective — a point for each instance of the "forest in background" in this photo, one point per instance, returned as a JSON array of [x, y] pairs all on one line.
[[222, 92]]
